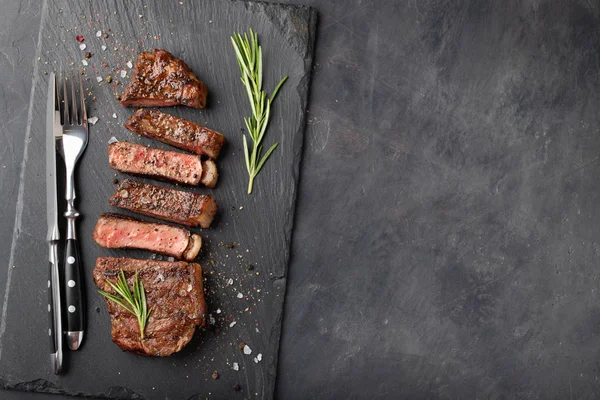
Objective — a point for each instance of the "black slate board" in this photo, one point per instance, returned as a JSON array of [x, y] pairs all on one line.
[[260, 224]]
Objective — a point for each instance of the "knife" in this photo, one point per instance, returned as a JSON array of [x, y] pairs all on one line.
[[54, 307]]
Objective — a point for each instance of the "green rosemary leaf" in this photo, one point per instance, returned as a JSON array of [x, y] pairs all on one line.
[[281, 82], [249, 57], [135, 302], [266, 156]]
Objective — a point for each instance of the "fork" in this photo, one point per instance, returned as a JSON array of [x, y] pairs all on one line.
[[71, 144]]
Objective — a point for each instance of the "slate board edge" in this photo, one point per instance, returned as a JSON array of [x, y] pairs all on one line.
[[304, 85], [45, 386]]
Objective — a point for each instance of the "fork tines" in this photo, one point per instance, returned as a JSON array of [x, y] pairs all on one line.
[[72, 113]]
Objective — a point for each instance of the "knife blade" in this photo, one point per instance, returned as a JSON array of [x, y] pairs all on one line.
[[54, 306]]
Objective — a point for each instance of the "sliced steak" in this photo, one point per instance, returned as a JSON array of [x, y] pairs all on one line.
[[176, 132], [174, 293], [116, 231], [186, 208], [161, 80], [169, 165]]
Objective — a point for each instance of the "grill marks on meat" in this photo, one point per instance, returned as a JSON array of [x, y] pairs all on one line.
[[176, 132], [116, 231], [170, 165], [161, 80], [186, 208], [175, 294]]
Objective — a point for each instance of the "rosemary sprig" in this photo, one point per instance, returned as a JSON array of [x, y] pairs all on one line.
[[249, 57], [134, 302]]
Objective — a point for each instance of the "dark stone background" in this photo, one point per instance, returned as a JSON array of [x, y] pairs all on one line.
[[447, 234]]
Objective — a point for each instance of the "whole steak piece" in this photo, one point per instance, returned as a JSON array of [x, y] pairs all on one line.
[[180, 207], [174, 293], [176, 132], [117, 231], [161, 80], [173, 166]]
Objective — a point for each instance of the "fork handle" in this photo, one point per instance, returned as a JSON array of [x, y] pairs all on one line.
[[75, 306]]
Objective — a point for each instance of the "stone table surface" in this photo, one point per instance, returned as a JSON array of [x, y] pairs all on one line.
[[447, 233]]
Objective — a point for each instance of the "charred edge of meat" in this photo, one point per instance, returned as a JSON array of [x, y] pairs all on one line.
[[193, 248], [210, 175]]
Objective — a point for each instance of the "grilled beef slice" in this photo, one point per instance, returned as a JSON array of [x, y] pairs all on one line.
[[186, 208], [161, 80], [176, 132], [169, 165], [116, 231], [174, 293]]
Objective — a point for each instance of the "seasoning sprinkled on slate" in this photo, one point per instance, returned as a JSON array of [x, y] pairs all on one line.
[[215, 374]]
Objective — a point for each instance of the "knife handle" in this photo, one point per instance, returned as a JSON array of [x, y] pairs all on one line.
[[74, 295], [54, 311]]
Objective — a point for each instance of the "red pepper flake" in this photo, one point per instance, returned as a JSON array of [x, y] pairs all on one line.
[[80, 38]]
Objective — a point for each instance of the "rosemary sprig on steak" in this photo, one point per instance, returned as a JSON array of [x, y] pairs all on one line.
[[249, 57], [134, 302]]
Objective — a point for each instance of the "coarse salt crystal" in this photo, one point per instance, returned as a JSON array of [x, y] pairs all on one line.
[[99, 79], [82, 46], [99, 33], [239, 295], [211, 319], [231, 325], [129, 64], [230, 281], [123, 74], [236, 366], [256, 360], [218, 311], [259, 357], [103, 47], [84, 62], [112, 140], [247, 349], [93, 120], [114, 115]]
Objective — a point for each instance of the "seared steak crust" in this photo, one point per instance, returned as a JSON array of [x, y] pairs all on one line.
[[116, 231], [174, 292], [161, 80], [186, 208], [176, 132]]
